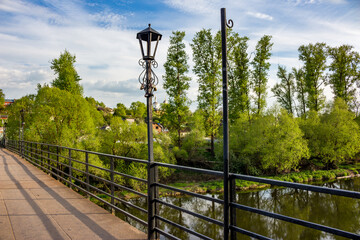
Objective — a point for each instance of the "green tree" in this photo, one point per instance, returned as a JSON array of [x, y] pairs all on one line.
[[284, 91], [259, 75], [138, 110], [345, 71], [193, 150], [130, 140], [207, 58], [272, 141], [333, 137], [314, 58], [176, 84], [67, 76], [2, 100], [239, 73], [120, 110], [300, 90], [14, 118]]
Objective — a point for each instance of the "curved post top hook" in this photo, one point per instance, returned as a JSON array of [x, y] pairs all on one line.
[[230, 23]]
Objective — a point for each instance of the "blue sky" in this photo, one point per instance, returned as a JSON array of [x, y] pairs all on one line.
[[102, 35]]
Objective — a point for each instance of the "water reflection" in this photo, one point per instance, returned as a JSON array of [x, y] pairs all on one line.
[[334, 211]]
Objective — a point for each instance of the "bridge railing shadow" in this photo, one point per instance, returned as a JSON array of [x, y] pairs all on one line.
[[64, 164]]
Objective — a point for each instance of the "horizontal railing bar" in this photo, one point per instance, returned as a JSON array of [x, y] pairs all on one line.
[[166, 234], [338, 192], [93, 195], [95, 153], [118, 185], [248, 233], [76, 169], [180, 167], [297, 221], [120, 210], [183, 228], [100, 178], [108, 194], [45, 167], [130, 176], [190, 212], [93, 187], [190, 193], [107, 170]]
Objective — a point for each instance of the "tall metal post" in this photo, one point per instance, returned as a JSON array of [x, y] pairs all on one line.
[[224, 26], [148, 81], [152, 173]]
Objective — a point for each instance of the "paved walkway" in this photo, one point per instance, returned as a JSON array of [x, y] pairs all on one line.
[[33, 205]]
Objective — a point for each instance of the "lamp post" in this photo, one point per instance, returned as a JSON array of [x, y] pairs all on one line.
[[148, 81]]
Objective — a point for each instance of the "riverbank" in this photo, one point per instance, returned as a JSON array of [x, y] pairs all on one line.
[[216, 186], [200, 184]]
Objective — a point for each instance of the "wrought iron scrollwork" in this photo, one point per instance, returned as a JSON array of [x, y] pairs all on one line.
[[149, 86], [230, 23]]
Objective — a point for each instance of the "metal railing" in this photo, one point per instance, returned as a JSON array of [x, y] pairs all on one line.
[[61, 163]]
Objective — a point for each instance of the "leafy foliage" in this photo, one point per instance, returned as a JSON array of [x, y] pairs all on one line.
[[67, 77], [207, 58], [260, 70], [120, 110], [333, 137], [176, 84], [284, 91], [138, 110], [300, 89], [239, 74], [2, 99], [314, 58], [273, 141], [345, 68]]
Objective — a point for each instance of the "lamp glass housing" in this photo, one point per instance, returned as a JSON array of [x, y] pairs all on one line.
[[145, 37]]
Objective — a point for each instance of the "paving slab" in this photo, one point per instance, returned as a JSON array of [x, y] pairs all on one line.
[[33, 205]]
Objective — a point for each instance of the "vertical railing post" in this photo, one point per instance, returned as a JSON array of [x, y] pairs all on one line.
[[48, 158], [224, 26], [41, 155], [70, 168], [87, 173], [112, 183], [57, 163], [232, 209]]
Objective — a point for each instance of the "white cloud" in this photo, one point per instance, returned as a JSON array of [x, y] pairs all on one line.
[[260, 15], [107, 51], [195, 6]]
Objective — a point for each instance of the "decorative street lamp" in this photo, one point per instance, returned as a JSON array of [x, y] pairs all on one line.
[[148, 81]]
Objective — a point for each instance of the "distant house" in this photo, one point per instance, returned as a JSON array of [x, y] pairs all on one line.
[[130, 120], [8, 102], [158, 128], [106, 127]]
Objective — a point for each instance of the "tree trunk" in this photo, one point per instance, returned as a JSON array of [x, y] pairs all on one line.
[[212, 150]]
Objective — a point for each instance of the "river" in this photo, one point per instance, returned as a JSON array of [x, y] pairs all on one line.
[[334, 211]]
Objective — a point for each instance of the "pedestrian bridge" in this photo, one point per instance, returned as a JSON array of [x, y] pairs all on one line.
[[33, 205]]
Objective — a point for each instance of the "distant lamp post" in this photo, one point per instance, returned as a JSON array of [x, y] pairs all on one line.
[[148, 81]]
